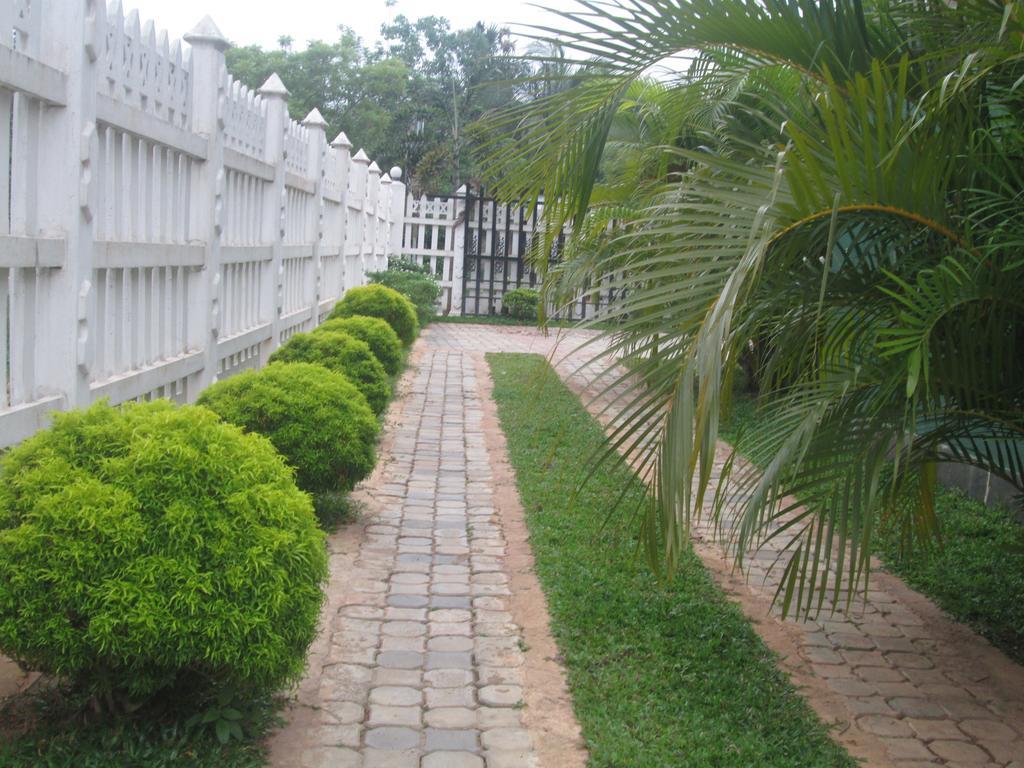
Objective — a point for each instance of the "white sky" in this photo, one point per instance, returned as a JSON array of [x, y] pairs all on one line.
[[245, 22]]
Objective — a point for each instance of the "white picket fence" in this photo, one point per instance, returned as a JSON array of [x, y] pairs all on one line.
[[161, 225]]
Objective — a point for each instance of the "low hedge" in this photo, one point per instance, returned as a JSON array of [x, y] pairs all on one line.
[[316, 418], [521, 303], [154, 545], [378, 335], [383, 302], [415, 283], [344, 354]]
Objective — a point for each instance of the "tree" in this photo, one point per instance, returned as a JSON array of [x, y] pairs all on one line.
[[832, 186], [407, 100]]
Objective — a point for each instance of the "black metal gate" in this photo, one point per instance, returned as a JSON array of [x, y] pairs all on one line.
[[499, 238]]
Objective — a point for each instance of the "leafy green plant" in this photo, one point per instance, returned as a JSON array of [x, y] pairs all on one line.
[[379, 336], [151, 546], [414, 282], [316, 418], [521, 303], [383, 302], [829, 197], [343, 354]]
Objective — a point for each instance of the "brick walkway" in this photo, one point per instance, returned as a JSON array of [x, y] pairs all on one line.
[[421, 663]]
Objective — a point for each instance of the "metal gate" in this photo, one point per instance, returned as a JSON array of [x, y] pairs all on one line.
[[498, 240]]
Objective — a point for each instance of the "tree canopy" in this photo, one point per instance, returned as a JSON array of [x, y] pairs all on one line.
[[406, 100]]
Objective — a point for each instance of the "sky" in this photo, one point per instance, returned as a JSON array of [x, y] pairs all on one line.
[[246, 22]]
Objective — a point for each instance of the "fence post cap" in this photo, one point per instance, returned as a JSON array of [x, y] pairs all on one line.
[[206, 32], [314, 119], [395, 173], [341, 141], [273, 86], [361, 157], [374, 168]]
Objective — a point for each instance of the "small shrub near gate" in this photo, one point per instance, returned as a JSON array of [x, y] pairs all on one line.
[[343, 354], [316, 418], [378, 335], [416, 283], [521, 303], [383, 302], [155, 546]]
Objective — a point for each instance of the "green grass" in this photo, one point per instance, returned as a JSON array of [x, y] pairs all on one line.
[[976, 574], [662, 675], [51, 730]]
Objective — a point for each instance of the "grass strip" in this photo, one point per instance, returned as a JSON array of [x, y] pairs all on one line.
[[662, 675]]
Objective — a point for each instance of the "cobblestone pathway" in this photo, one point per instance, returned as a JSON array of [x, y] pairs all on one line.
[[420, 664], [421, 661]]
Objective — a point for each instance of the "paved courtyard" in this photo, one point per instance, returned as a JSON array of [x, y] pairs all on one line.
[[435, 653]]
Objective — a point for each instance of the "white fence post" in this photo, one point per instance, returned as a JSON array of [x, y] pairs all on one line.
[[396, 216], [461, 211], [357, 204], [209, 78], [275, 96], [316, 125], [343, 147], [62, 206], [372, 221]]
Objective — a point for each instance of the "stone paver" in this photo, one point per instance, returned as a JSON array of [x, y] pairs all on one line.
[[907, 686], [420, 652]]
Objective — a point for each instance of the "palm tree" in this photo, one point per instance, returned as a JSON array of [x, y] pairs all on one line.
[[837, 199]]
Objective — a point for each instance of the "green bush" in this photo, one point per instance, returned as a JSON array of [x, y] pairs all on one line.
[[414, 282], [155, 545], [379, 336], [521, 303], [344, 354], [316, 418], [383, 302]]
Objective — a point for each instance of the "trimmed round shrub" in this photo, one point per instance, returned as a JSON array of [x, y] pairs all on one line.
[[154, 545], [383, 302], [378, 335], [417, 284], [521, 303], [316, 418], [343, 354]]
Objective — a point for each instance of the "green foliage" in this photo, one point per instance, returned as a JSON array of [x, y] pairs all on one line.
[[383, 302], [976, 574], [406, 100], [416, 283], [343, 354], [829, 197], [316, 418], [156, 736], [661, 674], [378, 335], [521, 303], [334, 508], [152, 545]]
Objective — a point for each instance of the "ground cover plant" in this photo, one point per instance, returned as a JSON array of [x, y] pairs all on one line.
[[378, 335], [662, 675], [316, 418], [342, 354], [383, 302], [417, 283]]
